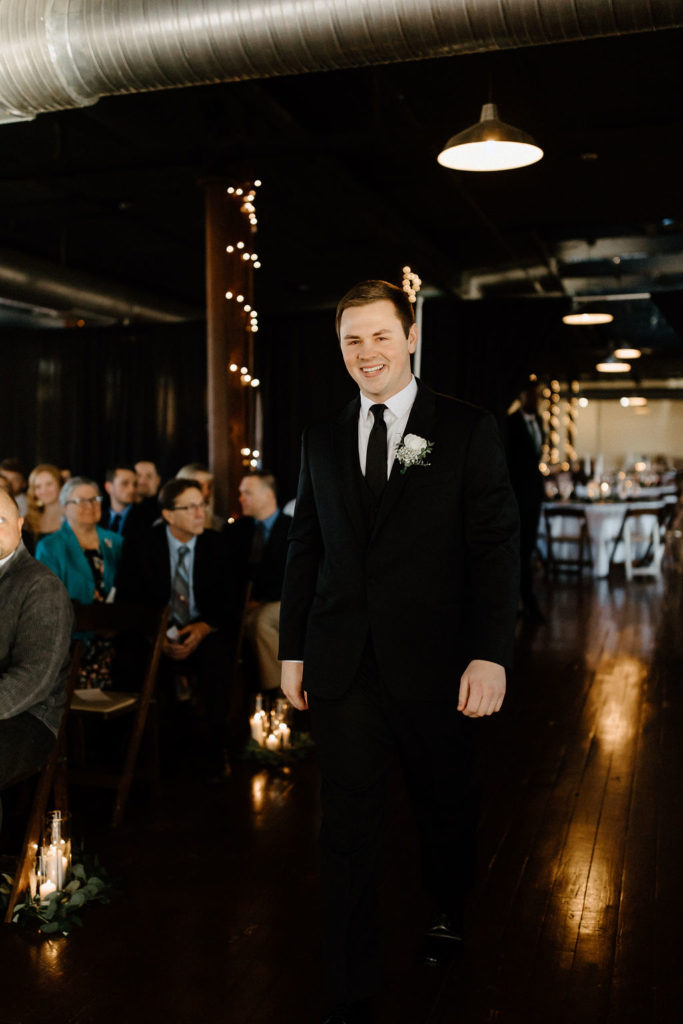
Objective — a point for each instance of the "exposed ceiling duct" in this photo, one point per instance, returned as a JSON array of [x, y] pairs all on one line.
[[60, 54], [35, 282]]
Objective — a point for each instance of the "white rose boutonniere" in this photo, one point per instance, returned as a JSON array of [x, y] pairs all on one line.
[[413, 451]]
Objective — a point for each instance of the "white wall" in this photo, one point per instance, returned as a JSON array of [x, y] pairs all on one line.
[[606, 428]]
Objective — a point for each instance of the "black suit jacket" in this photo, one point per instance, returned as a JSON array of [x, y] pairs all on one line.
[[268, 575], [138, 521], [432, 575], [523, 458], [144, 575]]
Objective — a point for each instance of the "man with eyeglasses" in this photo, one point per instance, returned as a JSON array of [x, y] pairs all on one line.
[[83, 555], [181, 564]]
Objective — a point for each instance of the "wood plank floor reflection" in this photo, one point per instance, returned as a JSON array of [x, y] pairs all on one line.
[[577, 908]]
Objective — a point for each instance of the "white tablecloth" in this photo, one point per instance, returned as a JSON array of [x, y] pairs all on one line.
[[604, 522]]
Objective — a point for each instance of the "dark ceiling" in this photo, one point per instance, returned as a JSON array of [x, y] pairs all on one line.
[[351, 188]]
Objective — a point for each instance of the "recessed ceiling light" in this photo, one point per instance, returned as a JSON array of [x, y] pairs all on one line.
[[587, 319], [612, 365], [627, 353]]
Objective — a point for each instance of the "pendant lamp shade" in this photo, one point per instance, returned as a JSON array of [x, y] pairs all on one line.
[[490, 145]]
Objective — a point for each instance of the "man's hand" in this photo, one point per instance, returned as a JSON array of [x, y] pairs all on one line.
[[482, 689], [189, 639], [292, 684]]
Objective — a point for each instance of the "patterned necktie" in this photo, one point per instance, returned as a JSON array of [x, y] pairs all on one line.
[[376, 459], [180, 594]]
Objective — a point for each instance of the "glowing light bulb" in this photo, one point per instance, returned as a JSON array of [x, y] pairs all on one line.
[[255, 382], [228, 295], [240, 298], [240, 245], [233, 367], [230, 248]]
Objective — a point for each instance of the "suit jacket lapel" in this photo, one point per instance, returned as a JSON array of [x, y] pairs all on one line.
[[345, 436], [420, 422]]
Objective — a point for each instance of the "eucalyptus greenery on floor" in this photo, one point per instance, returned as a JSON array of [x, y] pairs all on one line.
[[302, 744], [90, 883]]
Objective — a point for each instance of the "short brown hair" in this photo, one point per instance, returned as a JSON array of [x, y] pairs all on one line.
[[365, 292], [266, 478], [172, 489]]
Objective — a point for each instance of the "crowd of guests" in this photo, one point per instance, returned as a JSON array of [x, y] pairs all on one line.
[[137, 542]]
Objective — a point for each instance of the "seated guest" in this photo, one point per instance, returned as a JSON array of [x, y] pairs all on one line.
[[35, 632], [44, 514], [85, 558], [122, 514], [13, 471], [181, 564], [148, 479], [204, 477], [259, 543], [81, 554]]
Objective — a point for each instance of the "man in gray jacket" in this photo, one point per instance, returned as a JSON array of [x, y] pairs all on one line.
[[36, 620]]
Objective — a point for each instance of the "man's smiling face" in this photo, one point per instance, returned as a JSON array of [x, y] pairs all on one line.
[[375, 349]]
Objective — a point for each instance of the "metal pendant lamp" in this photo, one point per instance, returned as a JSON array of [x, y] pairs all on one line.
[[490, 145]]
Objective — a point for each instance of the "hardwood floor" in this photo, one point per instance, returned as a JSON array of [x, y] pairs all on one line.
[[577, 906]]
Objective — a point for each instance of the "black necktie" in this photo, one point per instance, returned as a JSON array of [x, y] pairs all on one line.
[[376, 459], [115, 522]]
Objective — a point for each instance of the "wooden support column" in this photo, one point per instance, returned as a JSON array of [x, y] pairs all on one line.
[[229, 340]]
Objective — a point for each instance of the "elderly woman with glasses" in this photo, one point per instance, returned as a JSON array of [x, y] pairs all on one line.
[[81, 554]]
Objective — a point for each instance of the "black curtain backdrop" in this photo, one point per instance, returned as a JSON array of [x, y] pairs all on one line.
[[480, 351], [87, 398], [303, 380], [483, 351]]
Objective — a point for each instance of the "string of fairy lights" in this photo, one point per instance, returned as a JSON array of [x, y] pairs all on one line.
[[242, 250], [558, 452]]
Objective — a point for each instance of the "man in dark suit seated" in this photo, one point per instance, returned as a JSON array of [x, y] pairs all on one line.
[[122, 513], [36, 619], [258, 541], [397, 624], [180, 564]]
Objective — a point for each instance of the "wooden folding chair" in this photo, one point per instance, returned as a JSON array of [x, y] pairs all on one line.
[[51, 778], [102, 705], [575, 546]]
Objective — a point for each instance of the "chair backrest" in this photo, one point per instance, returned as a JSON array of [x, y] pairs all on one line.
[[100, 617]]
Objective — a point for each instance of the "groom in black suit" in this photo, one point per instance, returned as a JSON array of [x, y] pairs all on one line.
[[397, 623]]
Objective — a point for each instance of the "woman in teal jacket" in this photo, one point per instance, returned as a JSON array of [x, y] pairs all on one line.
[[85, 558], [81, 554]]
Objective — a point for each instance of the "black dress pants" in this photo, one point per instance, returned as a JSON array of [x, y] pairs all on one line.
[[357, 736], [25, 746]]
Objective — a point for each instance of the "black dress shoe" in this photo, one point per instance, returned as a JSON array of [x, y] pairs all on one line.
[[442, 940]]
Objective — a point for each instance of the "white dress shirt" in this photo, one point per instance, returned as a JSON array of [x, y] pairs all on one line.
[[395, 416]]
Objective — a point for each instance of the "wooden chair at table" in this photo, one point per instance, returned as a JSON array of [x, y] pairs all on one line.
[[641, 526], [103, 620], [52, 777], [579, 540]]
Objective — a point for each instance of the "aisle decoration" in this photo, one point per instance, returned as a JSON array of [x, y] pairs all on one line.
[[273, 741]]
